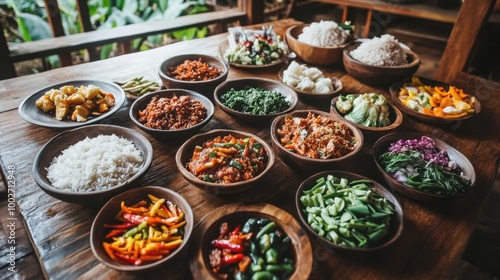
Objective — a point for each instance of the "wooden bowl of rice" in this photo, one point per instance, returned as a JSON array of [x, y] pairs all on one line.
[[313, 54], [379, 75], [99, 162]]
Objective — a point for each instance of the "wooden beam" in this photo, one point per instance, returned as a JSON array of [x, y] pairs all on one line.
[[84, 17], [254, 9], [7, 70], [55, 22]]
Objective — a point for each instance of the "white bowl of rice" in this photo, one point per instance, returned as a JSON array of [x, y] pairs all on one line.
[[319, 43], [380, 61], [89, 165]]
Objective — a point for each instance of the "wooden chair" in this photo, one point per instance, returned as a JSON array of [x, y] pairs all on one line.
[[461, 47]]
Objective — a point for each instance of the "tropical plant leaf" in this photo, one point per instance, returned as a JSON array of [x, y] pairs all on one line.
[[130, 6], [106, 50], [163, 4], [174, 11], [33, 27]]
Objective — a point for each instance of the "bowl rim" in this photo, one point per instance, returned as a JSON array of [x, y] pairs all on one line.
[[217, 93], [386, 193], [213, 133], [191, 56], [259, 208], [147, 156], [168, 92], [395, 124], [336, 82], [383, 141], [355, 131], [416, 61], [132, 268], [288, 35], [394, 89]]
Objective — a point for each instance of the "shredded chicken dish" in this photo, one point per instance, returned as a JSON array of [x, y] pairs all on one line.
[[317, 137], [228, 160]]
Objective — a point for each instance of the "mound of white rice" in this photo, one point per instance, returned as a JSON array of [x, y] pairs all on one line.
[[380, 51], [323, 34], [94, 164]]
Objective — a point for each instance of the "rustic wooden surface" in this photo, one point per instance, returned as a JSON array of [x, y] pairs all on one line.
[[432, 241]]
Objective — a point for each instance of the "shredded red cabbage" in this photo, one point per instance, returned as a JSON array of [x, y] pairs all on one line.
[[425, 145]]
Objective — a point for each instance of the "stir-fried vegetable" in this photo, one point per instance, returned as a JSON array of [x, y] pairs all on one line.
[[436, 101], [139, 86], [228, 159], [418, 164], [349, 214], [369, 109], [148, 231], [256, 250], [255, 100]]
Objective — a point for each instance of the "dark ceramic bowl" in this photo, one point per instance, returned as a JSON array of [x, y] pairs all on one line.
[[205, 87], [395, 225], [379, 75], [235, 214], [382, 145], [30, 113], [307, 165], [107, 215], [394, 89], [266, 84], [62, 141], [165, 134], [373, 133], [185, 153], [309, 53]]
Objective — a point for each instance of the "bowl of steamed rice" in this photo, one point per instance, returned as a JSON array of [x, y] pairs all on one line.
[[89, 165], [319, 43], [380, 61]]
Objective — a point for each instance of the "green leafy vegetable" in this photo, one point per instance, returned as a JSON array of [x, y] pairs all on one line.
[[254, 100], [369, 109]]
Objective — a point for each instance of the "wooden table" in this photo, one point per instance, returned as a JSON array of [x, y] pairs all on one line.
[[430, 247]]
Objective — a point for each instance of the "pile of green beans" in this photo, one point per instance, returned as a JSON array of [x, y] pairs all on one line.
[[139, 86], [349, 214]]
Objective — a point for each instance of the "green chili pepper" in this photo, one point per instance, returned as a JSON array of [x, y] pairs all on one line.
[[267, 228], [272, 256]]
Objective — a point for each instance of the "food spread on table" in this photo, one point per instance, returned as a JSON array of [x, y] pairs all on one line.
[[367, 109], [255, 249], [228, 160], [145, 232], [436, 101], [76, 103]]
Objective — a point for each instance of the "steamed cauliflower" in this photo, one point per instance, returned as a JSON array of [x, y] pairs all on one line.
[[307, 79]]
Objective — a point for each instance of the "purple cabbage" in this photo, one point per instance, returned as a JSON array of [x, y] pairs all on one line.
[[426, 146]]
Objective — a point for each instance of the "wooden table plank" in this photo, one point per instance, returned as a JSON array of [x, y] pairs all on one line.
[[431, 244]]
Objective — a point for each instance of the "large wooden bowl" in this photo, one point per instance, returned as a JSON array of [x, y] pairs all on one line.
[[379, 75], [107, 215], [185, 153], [395, 226], [65, 139], [306, 165], [205, 87], [394, 89], [172, 135], [266, 84], [208, 228], [382, 145], [309, 53], [373, 133]]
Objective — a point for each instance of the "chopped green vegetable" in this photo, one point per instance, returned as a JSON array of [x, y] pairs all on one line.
[[256, 101], [369, 109]]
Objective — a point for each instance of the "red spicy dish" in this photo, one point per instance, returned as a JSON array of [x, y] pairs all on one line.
[[227, 159]]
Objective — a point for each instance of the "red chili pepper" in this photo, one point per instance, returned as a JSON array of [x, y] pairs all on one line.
[[236, 230], [120, 226], [129, 259], [230, 259], [226, 244], [115, 232]]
